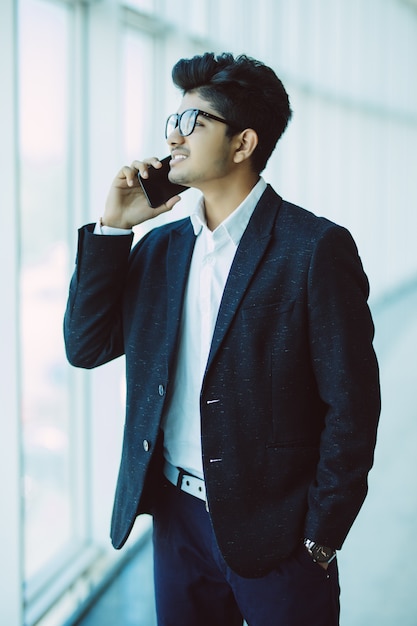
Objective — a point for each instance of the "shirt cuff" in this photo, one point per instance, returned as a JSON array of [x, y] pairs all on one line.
[[100, 229]]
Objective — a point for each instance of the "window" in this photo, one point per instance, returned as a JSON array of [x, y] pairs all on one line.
[[141, 5], [51, 507], [139, 113]]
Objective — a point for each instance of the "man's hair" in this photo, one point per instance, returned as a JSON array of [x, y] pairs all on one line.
[[247, 93]]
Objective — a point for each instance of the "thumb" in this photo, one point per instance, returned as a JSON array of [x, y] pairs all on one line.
[[168, 205]]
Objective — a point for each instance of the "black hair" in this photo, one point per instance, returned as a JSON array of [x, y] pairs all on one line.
[[244, 91]]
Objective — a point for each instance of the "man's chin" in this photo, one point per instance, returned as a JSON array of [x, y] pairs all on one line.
[[179, 180]]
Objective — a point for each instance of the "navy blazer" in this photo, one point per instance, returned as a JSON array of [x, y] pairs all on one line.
[[290, 397]]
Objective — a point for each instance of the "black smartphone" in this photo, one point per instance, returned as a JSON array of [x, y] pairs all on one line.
[[157, 187]]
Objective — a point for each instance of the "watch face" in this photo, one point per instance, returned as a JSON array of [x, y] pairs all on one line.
[[321, 554]]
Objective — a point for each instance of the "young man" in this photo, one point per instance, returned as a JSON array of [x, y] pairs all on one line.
[[252, 384]]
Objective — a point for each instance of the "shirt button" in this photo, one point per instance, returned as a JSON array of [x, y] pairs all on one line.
[[146, 445], [161, 390]]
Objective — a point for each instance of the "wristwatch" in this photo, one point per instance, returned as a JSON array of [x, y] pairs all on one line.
[[319, 554]]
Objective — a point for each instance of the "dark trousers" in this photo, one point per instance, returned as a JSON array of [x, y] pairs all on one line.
[[195, 587]]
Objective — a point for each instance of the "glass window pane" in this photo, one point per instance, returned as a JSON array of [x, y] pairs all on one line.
[[142, 5], [138, 110], [44, 30]]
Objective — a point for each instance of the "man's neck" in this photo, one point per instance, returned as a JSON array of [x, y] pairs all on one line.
[[221, 200]]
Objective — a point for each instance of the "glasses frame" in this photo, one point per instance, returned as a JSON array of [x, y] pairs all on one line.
[[197, 112]]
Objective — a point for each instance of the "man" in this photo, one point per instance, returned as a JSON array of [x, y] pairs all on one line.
[[252, 384]]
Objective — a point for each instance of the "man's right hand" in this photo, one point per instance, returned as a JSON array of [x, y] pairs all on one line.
[[126, 204]]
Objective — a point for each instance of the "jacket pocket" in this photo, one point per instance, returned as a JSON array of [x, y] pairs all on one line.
[[295, 443], [268, 310]]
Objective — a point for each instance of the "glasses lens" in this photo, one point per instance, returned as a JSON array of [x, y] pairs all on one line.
[[187, 121], [171, 124]]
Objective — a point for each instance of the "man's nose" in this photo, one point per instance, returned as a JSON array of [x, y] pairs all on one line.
[[175, 138]]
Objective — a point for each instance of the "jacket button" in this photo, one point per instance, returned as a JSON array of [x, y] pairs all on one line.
[[161, 390], [146, 445]]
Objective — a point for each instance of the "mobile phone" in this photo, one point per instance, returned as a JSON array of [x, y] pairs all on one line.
[[157, 187]]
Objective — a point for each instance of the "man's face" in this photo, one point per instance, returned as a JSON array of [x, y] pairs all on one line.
[[204, 158]]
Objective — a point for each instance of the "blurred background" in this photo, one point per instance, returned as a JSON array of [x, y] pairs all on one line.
[[85, 87]]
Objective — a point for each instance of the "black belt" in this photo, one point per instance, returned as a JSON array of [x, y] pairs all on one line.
[[186, 482]]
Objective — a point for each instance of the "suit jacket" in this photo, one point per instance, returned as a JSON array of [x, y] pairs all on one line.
[[290, 396]]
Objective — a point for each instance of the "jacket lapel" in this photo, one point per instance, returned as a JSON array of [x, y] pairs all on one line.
[[248, 256], [178, 259]]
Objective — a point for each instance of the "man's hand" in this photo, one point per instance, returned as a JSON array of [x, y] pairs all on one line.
[[126, 204]]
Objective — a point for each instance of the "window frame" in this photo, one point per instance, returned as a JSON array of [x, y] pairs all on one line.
[[11, 571]]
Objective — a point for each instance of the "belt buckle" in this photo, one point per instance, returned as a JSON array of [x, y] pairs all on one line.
[[190, 488], [181, 474]]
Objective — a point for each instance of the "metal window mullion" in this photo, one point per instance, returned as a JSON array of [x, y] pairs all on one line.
[[11, 571]]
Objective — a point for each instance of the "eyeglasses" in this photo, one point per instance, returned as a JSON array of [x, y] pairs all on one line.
[[187, 120]]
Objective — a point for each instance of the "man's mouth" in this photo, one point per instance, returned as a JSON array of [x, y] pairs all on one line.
[[176, 158]]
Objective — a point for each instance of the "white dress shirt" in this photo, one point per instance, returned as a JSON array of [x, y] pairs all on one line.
[[212, 258]]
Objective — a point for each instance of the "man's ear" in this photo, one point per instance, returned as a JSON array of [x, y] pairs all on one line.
[[246, 142]]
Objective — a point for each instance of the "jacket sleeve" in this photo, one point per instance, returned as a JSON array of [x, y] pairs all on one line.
[[341, 335], [93, 318]]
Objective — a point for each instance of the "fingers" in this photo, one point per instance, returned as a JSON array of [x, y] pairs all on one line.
[[129, 174], [142, 166]]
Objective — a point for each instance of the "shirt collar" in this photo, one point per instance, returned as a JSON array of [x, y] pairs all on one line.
[[235, 224]]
